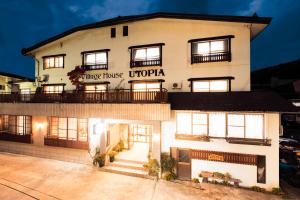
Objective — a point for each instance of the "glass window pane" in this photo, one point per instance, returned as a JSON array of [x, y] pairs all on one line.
[[62, 128], [90, 59], [61, 61], [217, 46], [82, 129], [184, 123], [199, 118], [199, 129], [101, 58], [219, 86], [254, 126], [203, 48], [235, 120], [153, 53], [140, 54], [139, 86], [200, 86], [51, 62], [236, 131], [217, 124], [153, 86]]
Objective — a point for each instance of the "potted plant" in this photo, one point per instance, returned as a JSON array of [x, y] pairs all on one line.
[[112, 155], [99, 158]]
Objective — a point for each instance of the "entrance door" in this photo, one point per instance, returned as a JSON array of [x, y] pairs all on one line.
[[183, 157], [140, 133]]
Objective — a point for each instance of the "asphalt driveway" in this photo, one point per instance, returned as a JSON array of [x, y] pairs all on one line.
[[25, 177]]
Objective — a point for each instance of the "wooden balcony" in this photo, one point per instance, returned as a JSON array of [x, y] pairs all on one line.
[[111, 96], [145, 63], [226, 56]]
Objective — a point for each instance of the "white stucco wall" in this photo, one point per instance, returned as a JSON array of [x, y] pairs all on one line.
[[244, 172], [176, 60]]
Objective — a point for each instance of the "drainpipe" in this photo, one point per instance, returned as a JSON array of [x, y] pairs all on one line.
[[38, 68]]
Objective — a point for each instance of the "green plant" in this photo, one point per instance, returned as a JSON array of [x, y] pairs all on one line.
[[227, 176], [121, 145], [195, 180], [258, 189], [277, 191], [112, 155], [226, 183], [169, 176], [153, 167], [218, 175], [167, 162], [99, 158]]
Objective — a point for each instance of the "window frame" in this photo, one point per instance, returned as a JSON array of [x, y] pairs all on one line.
[[132, 82], [26, 124], [106, 83], [53, 56], [144, 63], [209, 79], [210, 55], [54, 84], [94, 67]]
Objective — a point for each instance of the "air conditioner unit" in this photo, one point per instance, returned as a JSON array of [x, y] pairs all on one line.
[[43, 78], [177, 85]]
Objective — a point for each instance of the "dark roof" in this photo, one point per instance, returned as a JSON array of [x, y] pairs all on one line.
[[132, 18], [16, 76], [258, 101]]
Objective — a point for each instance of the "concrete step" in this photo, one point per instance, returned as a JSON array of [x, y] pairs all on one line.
[[127, 171], [128, 165], [129, 161]]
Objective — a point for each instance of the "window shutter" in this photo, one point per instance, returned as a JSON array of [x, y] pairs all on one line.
[[113, 32]]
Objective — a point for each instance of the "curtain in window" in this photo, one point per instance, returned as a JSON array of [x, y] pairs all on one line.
[[219, 86], [200, 86], [153, 53], [236, 125], [217, 124], [217, 46], [72, 128], [203, 48], [62, 128], [199, 124], [254, 126], [184, 121]]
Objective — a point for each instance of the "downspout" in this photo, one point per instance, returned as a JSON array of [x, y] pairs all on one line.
[[38, 68]]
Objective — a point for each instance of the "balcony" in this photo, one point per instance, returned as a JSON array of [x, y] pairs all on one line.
[[145, 63], [72, 96], [226, 56]]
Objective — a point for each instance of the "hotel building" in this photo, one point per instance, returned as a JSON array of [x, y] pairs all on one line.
[[161, 82]]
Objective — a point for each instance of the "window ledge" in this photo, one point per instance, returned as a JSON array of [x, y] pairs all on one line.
[[248, 141], [203, 138]]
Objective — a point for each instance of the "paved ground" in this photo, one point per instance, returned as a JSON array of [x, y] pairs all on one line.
[[24, 177]]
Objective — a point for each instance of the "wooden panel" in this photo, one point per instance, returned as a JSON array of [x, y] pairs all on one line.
[[112, 111], [237, 158], [16, 138], [66, 143]]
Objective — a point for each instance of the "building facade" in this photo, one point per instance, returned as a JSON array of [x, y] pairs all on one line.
[[161, 82]]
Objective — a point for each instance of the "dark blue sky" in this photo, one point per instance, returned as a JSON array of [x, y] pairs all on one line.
[[25, 22]]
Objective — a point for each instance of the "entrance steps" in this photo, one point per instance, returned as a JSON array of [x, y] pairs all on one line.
[[127, 167]]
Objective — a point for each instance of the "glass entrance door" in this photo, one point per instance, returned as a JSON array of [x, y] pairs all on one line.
[[141, 133]]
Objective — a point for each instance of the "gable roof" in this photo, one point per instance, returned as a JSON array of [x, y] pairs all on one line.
[[249, 101], [133, 18]]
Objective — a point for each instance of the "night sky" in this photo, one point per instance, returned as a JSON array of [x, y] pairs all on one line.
[[25, 22]]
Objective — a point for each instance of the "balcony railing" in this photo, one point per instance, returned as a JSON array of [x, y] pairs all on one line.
[[144, 63], [211, 58], [94, 67], [72, 96]]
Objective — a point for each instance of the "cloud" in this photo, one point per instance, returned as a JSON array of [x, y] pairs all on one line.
[[254, 6]]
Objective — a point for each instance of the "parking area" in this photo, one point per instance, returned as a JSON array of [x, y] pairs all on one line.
[[25, 177]]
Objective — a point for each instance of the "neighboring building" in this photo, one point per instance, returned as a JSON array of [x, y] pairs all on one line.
[[161, 82], [16, 84]]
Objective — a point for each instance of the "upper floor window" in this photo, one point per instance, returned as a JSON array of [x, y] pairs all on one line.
[[146, 55], [211, 49], [95, 59], [55, 61], [58, 88], [211, 84]]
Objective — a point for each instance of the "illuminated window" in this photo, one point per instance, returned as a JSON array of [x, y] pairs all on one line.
[[191, 123], [245, 126], [146, 55], [217, 124], [53, 88], [96, 88], [146, 86], [68, 128], [210, 86], [95, 60], [4, 122], [53, 61], [143, 54], [19, 125]]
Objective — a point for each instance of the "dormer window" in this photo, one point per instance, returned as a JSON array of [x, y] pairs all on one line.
[[146, 55], [93, 60], [54, 61], [214, 49]]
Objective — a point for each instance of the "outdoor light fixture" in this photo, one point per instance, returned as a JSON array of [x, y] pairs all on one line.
[[39, 125]]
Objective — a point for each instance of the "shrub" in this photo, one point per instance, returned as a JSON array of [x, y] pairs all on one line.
[[225, 183], [121, 145], [99, 158], [112, 155], [167, 163], [169, 176], [195, 180], [218, 175], [277, 191], [227, 176], [153, 167], [258, 189]]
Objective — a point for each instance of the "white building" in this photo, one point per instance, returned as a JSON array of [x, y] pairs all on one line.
[[161, 82]]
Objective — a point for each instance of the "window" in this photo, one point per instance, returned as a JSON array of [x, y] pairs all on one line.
[[125, 30], [19, 125], [211, 49], [56, 61], [3, 123], [210, 86], [113, 32], [53, 88], [95, 60], [217, 125], [192, 123], [146, 55], [96, 88], [145, 87], [245, 126], [68, 128]]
